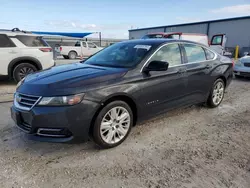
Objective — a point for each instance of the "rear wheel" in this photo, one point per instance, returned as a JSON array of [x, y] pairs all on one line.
[[216, 94], [66, 57], [22, 70], [72, 55], [112, 124]]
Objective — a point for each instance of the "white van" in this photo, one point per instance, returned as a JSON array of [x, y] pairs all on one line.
[[217, 43]]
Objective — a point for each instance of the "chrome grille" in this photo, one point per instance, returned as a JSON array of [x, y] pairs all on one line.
[[25, 102]]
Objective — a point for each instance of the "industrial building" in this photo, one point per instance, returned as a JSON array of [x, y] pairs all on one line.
[[236, 29]]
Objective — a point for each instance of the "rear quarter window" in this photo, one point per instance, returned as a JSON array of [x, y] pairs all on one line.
[[5, 42], [32, 41], [209, 54]]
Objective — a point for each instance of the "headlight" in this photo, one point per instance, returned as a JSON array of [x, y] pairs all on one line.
[[20, 82], [61, 101]]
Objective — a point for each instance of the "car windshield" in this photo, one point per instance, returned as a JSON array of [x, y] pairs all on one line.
[[120, 55]]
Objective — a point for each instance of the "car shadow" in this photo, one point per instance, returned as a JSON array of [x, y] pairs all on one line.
[[4, 80], [21, 143], [242, 78]]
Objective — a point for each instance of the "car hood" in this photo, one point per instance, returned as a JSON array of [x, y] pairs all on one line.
[[69, 79], [245, 59]]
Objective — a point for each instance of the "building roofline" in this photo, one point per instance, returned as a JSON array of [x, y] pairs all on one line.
[[193, 23]]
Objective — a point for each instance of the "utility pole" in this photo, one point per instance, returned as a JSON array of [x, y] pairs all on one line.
[[100, 39]]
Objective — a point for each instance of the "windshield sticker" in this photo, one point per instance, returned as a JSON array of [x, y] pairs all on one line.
[[147, 47]]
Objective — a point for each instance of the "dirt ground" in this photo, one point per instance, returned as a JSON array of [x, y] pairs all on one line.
[[194, 147]]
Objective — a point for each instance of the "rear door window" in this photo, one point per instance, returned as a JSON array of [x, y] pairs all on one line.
[[32, 41], [78, 43], [194, 53], [5, 42]]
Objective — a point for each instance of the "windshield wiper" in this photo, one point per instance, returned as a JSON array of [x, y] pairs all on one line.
[[100, 65]]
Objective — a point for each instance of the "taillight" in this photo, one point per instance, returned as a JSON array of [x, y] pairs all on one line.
[[45, 49], [60, 48]]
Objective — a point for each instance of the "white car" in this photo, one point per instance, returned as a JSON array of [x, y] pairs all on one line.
[[81, 48], [23, 53]]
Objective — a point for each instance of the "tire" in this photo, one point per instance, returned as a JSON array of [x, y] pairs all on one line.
[[72, 55], [216, 94], [65, 57], [113, 127], [22, 70]]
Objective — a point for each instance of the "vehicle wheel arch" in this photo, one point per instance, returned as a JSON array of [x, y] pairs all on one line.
[[223, 78], [118, 97], [72, 51], [20, 60]]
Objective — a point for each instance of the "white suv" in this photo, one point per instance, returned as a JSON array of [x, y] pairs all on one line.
[[22, 53]]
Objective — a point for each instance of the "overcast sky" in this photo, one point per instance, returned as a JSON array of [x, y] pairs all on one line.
[[113, 17]]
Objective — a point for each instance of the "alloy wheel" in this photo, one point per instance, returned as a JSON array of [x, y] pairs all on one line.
[[218, 93], [115, 125], [25, 71]]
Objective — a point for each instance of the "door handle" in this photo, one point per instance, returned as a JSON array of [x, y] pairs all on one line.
[[182, 71], [208, 66]]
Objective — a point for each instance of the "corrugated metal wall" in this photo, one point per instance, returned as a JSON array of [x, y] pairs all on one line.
[[198, 28], [237, 31]]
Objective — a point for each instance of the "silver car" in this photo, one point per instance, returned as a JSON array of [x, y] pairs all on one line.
[[242, 67]]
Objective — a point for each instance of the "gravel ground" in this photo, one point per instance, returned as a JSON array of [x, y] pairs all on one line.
[[188, 148]]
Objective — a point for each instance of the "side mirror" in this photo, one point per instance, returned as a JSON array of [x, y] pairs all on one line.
[[156, 66]]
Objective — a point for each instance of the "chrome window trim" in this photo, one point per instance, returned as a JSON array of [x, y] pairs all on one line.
[[182, 42], [18, 106], [156, 52], [215, 54]]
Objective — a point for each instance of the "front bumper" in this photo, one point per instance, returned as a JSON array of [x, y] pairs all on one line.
[[56, 124], [242, 71]]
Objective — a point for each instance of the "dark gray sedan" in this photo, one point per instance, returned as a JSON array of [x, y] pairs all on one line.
[[106, 95]]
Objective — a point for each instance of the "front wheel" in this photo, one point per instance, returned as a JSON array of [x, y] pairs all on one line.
[[112, 124], [216, 94], [22, 70]]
